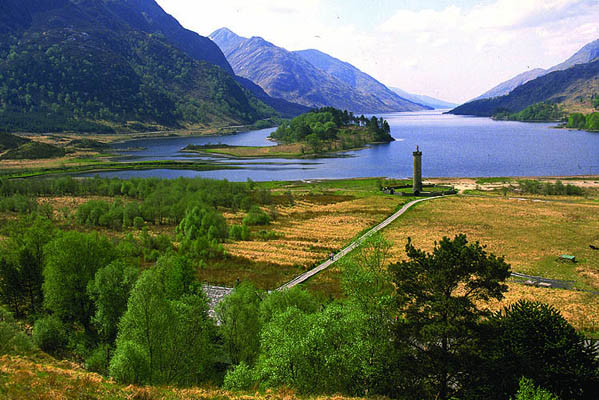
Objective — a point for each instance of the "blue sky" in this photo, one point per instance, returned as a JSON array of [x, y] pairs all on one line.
[[451, 49]]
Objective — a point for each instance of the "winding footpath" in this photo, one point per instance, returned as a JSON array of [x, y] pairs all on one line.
[[307, 275]]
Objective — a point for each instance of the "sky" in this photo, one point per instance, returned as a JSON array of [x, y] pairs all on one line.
[[454, 50]]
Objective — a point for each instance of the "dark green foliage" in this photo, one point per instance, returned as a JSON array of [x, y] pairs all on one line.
[[256, 216], [549, 189], [329, 124], [70, 75], [98, 359], [8, 141], [576, 121], [50, 334], [239, 232], [165, 337], [201, 231], [88, 144], [18, 203], [71, 263], [22, 262], [589, 122], [437, 295], [279, 301], [109, 290], [33, 151], [240, 327], [532, 339], [535, 113], [12, 339]]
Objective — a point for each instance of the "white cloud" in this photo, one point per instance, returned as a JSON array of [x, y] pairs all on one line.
[[456, 53], [464, 52]]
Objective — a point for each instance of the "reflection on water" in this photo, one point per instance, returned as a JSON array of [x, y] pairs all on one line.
[[451, 146]]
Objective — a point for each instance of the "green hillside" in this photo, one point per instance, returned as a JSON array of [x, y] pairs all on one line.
[[61, 73]]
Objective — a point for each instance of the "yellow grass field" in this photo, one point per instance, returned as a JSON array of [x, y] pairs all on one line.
[[309, 231], [531, 234]]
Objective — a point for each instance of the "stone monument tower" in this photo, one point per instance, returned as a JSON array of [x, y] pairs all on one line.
[[417, 182]]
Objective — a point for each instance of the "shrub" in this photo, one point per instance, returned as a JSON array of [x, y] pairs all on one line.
[[99, 360], [239, 232], [12, 339], [50, 334], [138, 222], [256, 216], [242, 377], [528, 391], [533, 339]]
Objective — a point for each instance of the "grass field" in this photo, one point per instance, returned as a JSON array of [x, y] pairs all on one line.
[[322, 219]]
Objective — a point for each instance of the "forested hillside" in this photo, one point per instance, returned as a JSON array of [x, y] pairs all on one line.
[[80, 66]]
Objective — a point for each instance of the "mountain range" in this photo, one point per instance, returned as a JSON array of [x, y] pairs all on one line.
[[308, 77], [101, 65], [586, 54], [571, 83], [424, 100]]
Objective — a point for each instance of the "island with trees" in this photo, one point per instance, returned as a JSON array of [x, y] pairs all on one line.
[[314, 133]]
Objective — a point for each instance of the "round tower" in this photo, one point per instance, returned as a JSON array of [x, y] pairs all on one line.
[[417, 181]]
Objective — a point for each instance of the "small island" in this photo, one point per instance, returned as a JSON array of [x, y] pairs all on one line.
[[312, 134]]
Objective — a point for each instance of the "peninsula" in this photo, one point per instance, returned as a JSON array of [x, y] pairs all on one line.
[[314, 133]]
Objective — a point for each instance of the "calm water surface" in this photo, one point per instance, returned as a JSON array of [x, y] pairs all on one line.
[[451, 145]]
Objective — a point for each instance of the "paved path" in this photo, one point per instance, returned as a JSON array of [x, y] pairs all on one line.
[[305, 276]]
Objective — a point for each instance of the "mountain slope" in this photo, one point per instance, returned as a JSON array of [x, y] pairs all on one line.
[[509, 85], [424, 100], [147, 16], [289, 76], [357, 79], [564, 87], [90, 65], [585, 55]]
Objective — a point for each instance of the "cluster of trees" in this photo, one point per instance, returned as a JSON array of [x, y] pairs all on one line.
[[549, 189], [417, 329], [534, 113], [327, 125], [595, 101], [588, 122], [170, 198]]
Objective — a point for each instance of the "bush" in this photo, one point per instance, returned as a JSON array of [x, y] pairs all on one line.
[[242, 377], [99, 360], [12, 339], [239, 232], [528, 391], [50, 334], [130, 363], [256, 216], [533, 339], [138, 222]]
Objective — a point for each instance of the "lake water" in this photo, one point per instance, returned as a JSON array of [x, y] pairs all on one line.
[[452, 146]]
